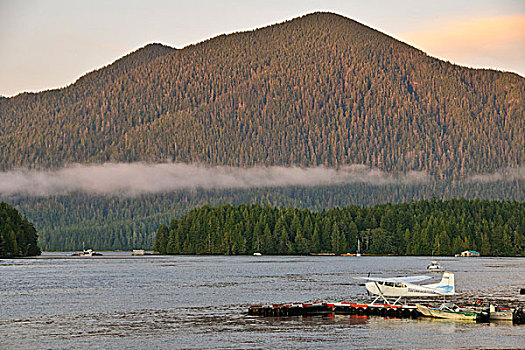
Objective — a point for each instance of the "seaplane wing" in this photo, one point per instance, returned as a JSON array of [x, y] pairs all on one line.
[[406, 280]]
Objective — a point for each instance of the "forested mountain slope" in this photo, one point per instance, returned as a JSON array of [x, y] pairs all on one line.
[[320, 89]]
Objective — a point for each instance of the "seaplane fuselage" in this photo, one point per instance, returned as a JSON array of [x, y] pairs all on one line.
[[392, 289], [402, 287]]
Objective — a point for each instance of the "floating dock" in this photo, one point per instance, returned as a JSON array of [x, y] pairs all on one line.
[[310, 309], [360, 309]]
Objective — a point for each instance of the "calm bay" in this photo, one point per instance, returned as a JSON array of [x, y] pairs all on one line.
[[195, 302]]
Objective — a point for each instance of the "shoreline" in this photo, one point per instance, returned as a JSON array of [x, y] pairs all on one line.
[[122, 254]]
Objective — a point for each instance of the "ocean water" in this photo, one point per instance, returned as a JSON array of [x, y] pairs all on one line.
[[200, 302]]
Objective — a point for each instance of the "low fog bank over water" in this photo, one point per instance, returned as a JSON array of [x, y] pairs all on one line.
[[140, 178]]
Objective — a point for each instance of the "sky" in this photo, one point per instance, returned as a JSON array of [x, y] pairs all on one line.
[[46, 44]]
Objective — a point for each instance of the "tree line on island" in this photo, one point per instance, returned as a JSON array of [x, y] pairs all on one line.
[[18, 237], [65, 222], [427, 227]]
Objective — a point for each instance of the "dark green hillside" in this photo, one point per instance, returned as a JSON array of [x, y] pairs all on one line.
[[418, 228], [320, 89], [106, 223], [18, 237]]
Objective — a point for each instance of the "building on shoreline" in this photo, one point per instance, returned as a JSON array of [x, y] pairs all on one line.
[[469, 253]]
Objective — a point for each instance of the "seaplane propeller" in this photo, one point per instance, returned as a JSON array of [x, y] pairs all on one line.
[[367, 291]]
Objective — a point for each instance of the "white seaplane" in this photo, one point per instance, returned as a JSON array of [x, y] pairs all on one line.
[[404, 287]]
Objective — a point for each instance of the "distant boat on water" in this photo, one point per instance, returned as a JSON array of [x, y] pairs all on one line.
[[435, 267], [358, 253], [87, 252]]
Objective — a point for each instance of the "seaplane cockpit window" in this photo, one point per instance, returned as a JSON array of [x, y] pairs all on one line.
[[389, 284], [399, 285]]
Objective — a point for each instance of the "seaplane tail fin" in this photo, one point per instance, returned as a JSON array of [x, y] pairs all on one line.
[[447, 283]]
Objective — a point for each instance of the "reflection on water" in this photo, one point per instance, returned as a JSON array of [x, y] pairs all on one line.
[[201, 302]]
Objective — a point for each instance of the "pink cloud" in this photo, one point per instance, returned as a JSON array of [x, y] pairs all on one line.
[[479, 42]]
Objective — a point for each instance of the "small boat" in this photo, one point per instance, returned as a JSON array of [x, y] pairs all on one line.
[[501, 313], [90, 252], [257, 254], [87, 252], [435, 267], [496, 312], [452, 312]]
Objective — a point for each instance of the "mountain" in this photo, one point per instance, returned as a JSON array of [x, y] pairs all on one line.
[[319, 89]]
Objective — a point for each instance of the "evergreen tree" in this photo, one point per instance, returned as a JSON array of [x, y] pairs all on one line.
[[162, 240], [18, 237], [268, 246], [316, 240]]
